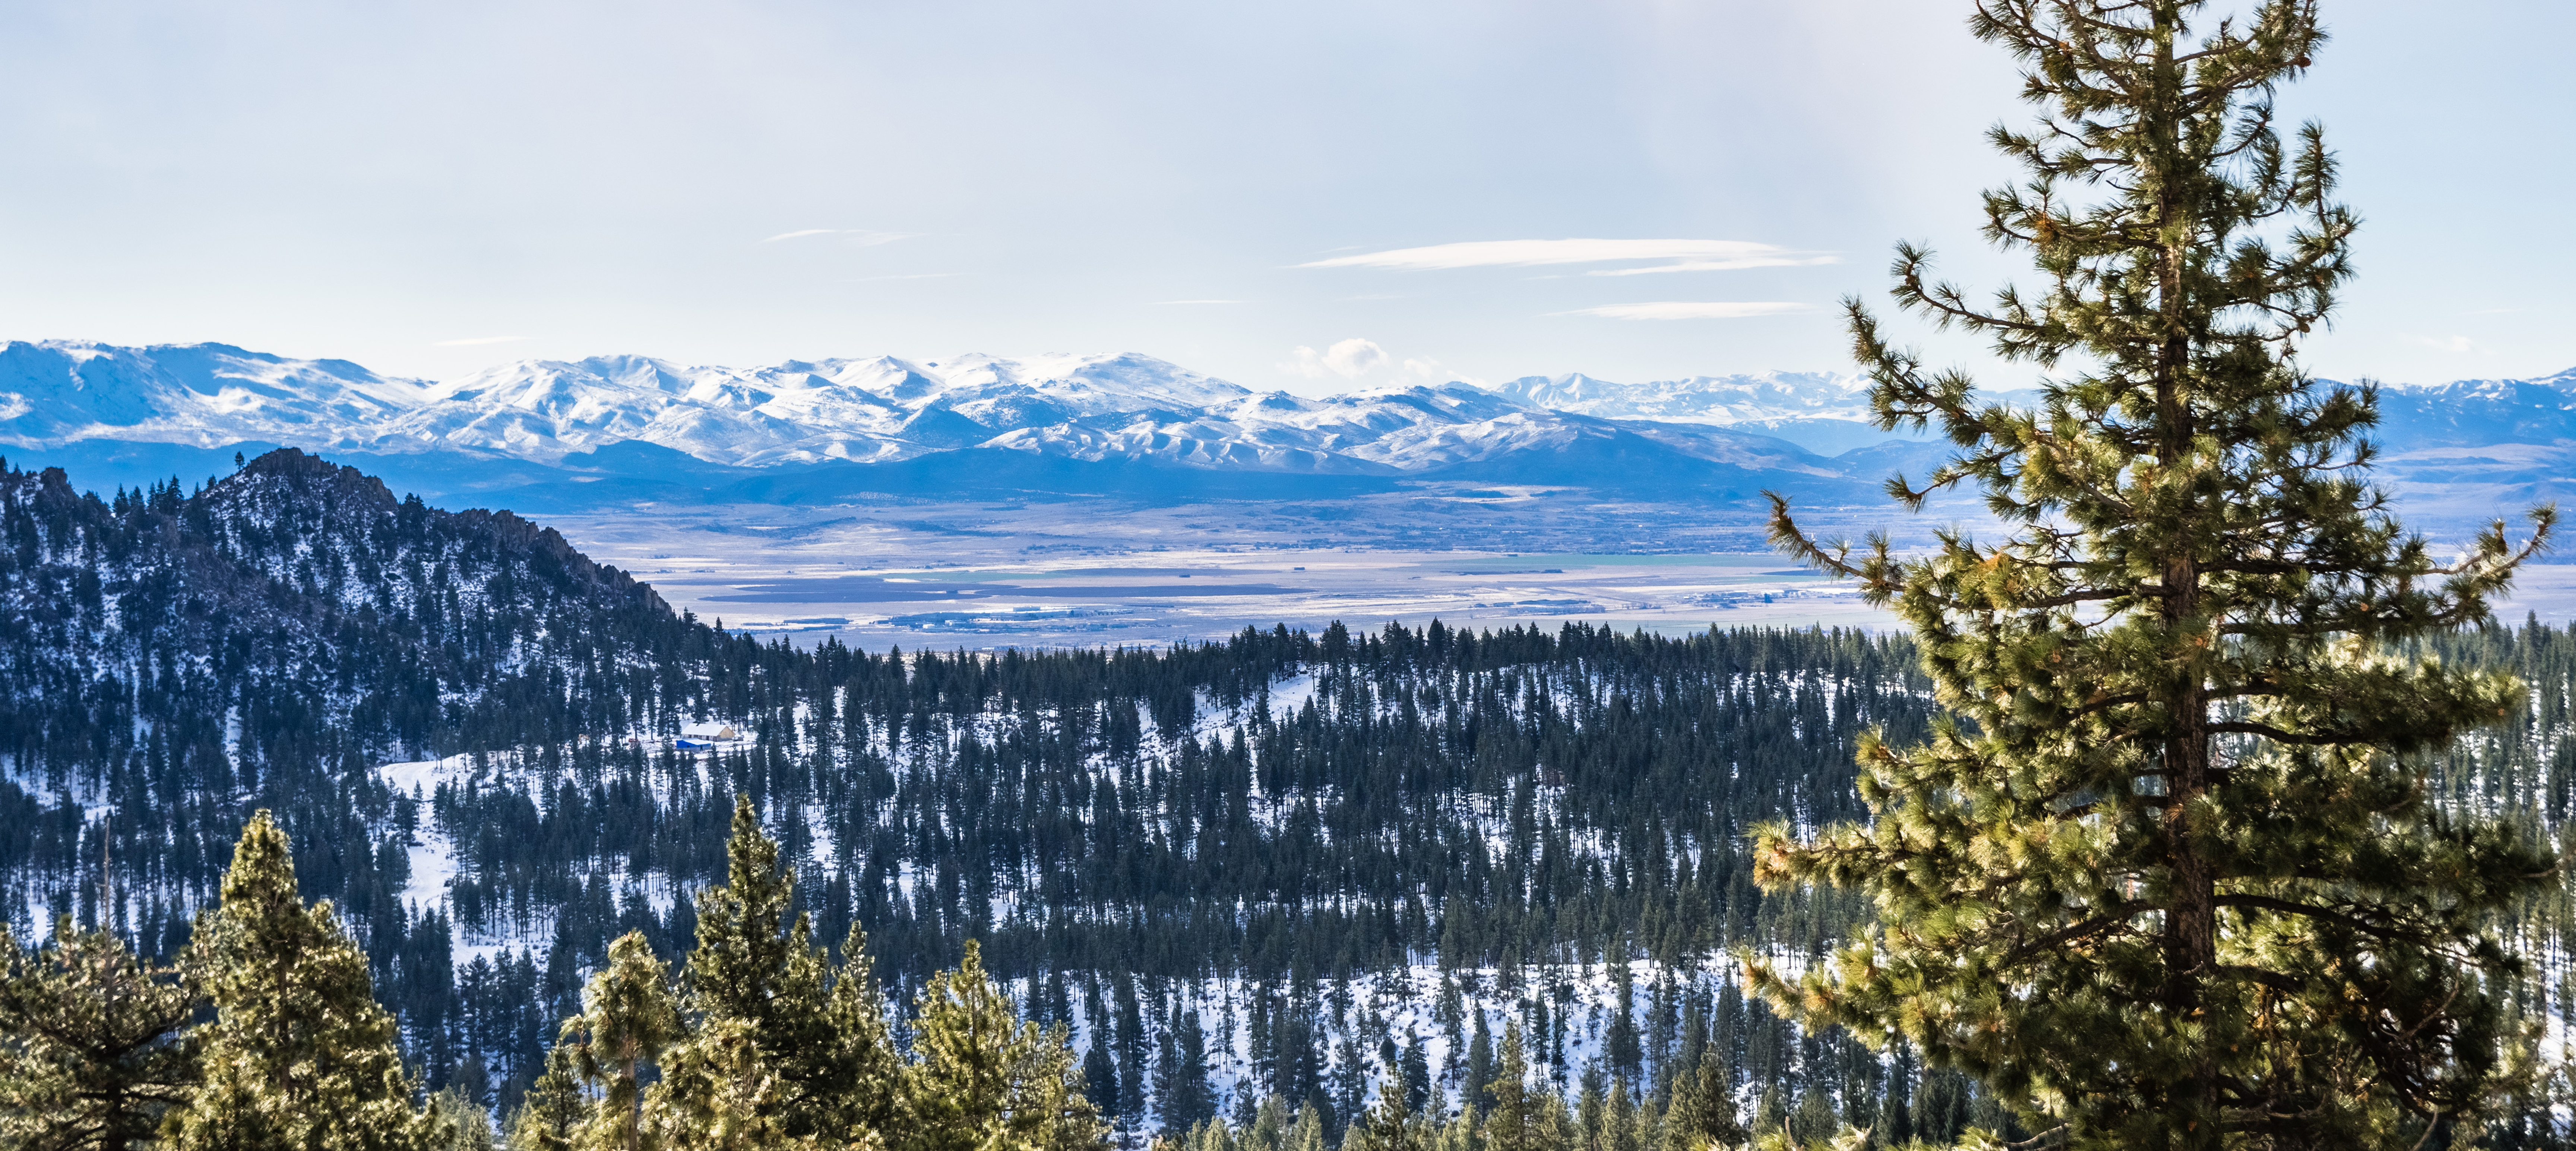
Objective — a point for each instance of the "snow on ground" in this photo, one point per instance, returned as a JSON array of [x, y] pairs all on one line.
[[1404, 1006], [433, 857]]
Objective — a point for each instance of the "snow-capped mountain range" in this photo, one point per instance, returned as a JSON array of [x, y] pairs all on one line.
[[1129, 409], [1751, 430], [210, 395]]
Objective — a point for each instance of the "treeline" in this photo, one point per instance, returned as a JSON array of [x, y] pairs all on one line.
[[262, 1035], [1523, 812]]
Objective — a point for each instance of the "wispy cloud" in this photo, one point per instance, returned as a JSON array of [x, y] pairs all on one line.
[[2447, 344], [1202, 301], [859, 236], [1688, 255], [1349, 359], [1784, 261], [908, 276], [1691, 310], [478, 341]]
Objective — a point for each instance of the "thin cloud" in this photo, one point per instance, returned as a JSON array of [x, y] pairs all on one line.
[[1159, 302], [1536, 253], [910, 276], [860, 236], [1691, 310], [1720, 265], [479, 341]]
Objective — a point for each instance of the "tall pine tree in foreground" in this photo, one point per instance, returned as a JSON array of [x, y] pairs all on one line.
[[981, 1077], [91, 1054], [2167, 876], [551, 1114], [776, 1027], [299, 1056], [627, 1018]]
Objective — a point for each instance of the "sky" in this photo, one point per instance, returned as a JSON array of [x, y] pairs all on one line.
[[1315, 196]]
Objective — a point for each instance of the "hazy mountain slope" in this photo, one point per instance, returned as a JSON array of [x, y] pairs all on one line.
[[1736, 399], [2468, 413], [207, 395]]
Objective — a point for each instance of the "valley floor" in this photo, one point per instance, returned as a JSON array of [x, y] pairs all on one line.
[[981, 576]]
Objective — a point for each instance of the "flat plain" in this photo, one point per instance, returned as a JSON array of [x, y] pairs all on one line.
[[984, 576]]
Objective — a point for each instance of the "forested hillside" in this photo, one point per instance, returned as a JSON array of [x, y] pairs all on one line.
[[1284, 866]]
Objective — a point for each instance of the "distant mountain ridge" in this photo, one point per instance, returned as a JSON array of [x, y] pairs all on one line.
[[1104, 424], [1126, 422]]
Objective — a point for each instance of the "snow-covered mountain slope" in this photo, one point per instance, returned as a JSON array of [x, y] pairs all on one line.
[[1740, 399], [1122, 408], [798, 412], [2467, 413], [206, 395], [1388, 431], [667, 431]]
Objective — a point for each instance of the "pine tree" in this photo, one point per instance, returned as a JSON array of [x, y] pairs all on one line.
[[820, 1030], [1386, 1126], [1703, 1105], [552, 1113], [2167, 874], [299, 1055], [91, 1054], [1512, 1126], [862, 1088], [468, 1126], [1416, 1065], [719, 1090], [628, 1018], [1185, 1098], [982, 1078], [1480, 1062]]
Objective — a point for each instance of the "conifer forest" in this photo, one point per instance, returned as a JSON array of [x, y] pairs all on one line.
[[2198, 803], [1256, 882]]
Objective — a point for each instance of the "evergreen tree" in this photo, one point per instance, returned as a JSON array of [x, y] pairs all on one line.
[[1186, 1098], [1513, 1123], [467, 1125], [551, 1115], [1100, 1073], [819, 1031], [982, 1078], [1416, 1067], [860, 1089], [2168, 874], [1386, 1126], [720, 1090], [1480, 1062], [628, 1017], [1703, 1105], [91, 1054], [299, 1056]]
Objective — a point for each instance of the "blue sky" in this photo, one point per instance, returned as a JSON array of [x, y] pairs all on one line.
[[427, 188]]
